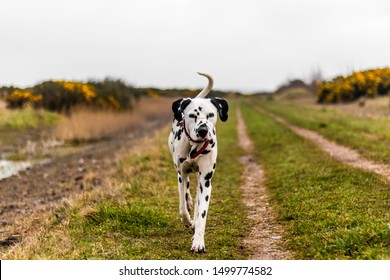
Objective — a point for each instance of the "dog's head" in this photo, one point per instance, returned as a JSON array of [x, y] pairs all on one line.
[[200, 115]]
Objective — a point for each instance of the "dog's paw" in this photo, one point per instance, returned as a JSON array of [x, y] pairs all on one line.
[[198, 249], [198, 246]]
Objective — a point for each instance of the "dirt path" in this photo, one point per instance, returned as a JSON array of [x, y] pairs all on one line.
[[339, 152], [43, 186], [265, 237]]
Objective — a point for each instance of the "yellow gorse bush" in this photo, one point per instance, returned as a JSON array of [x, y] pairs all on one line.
[[20, 98], [361, 83], [62, 96], [87, 90]]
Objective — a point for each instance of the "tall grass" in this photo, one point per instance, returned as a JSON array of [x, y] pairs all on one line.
[[85, 124]]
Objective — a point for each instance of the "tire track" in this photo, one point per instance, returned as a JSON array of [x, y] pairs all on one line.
[[265, 236], [341, 153]]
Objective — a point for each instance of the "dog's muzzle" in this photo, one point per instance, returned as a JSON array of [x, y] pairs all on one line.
[[202, 130]]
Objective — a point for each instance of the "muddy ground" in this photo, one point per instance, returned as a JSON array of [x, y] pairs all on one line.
[[43, 185]]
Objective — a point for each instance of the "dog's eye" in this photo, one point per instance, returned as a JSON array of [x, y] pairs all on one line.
[[192, 116], [211, 115]]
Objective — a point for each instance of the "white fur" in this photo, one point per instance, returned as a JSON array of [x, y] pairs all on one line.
[[208, 87]]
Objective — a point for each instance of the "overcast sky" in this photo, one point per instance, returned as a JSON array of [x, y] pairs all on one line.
[[246, 45]]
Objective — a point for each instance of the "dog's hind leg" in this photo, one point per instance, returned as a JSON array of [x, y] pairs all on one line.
[[183, 197]]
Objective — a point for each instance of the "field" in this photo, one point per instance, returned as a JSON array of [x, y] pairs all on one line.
[[124, 205]]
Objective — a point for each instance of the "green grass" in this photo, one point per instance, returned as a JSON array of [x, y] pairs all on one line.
[[329, 210], [142, 221], [26, 119], [370, 136]]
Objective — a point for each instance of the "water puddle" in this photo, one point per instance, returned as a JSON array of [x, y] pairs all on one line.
[[9, 168]]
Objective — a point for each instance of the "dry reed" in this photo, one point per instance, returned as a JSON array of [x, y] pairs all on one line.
[[85, 124]]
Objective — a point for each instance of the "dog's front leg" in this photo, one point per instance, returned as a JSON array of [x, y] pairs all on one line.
[[183, 197], [201, 209]]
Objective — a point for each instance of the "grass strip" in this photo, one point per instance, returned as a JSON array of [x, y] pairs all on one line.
[[330, 211]]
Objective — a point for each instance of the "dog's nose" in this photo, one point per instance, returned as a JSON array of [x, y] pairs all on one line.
[[202, 130]]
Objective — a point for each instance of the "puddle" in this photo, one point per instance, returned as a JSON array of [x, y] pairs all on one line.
[[9, 168]]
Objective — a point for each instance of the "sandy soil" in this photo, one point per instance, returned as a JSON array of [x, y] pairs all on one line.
[[265, 237]]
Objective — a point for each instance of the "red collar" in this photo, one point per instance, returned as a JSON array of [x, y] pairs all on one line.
[[206, 143], [204, 147]]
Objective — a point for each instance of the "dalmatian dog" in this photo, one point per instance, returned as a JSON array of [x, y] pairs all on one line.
[[193, 145]]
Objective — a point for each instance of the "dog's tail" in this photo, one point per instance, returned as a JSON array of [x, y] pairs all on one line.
[[207, 88]]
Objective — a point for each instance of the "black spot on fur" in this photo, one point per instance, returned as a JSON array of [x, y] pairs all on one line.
[[178, 134], [201, 188], [182, 160], [180, 180], [187, 197], [214, 166], [205, 152], [208, 175], [211, 115], [207, 184], [207, 198], [200, 108], [204, 214], [188, 184]]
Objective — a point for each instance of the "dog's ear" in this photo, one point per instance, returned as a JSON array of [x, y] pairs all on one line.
[[222, 107], [178, 108]]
